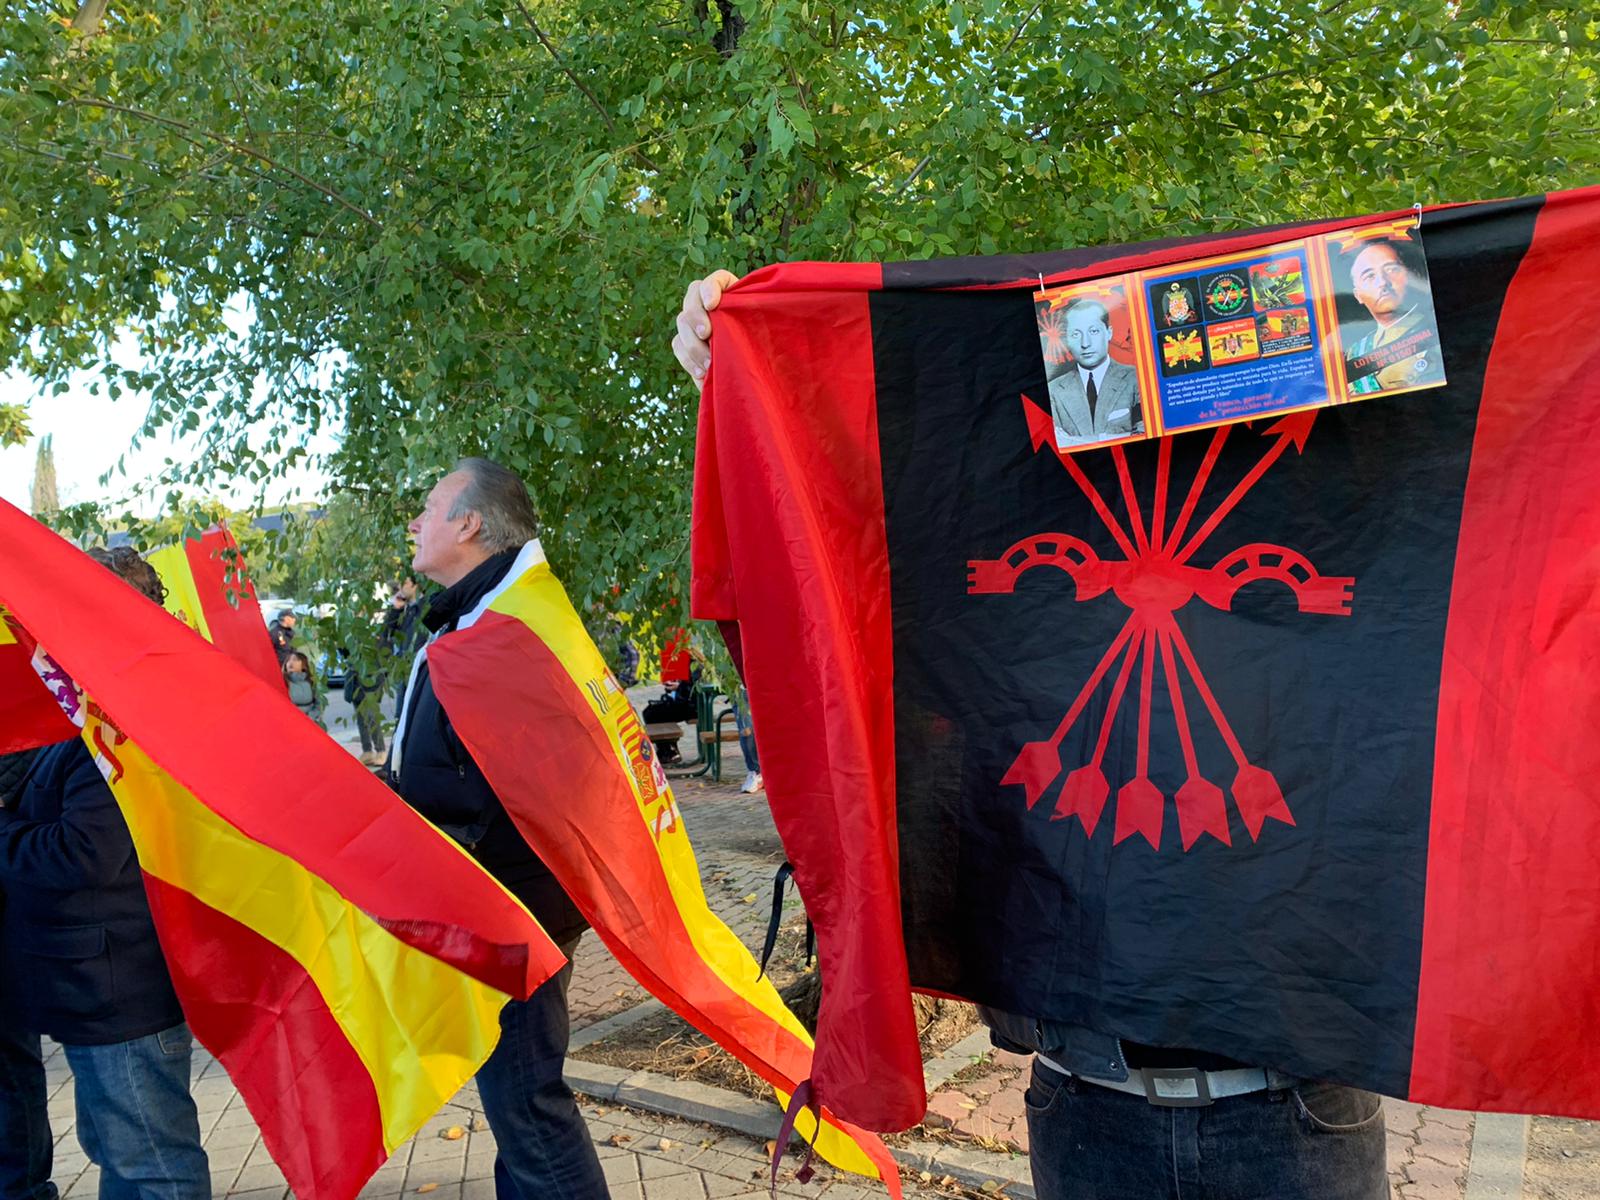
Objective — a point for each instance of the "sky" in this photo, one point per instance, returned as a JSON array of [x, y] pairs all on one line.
[[92, 433]]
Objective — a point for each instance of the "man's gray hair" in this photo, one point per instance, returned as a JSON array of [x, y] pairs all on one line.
[[500, 499]]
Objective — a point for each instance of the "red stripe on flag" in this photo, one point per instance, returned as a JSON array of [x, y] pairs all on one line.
[[29, 714], [258, 1011], [1511, 931], [237, 630], [819, 610]]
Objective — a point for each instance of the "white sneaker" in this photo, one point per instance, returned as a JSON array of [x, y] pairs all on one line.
[[752, 783]]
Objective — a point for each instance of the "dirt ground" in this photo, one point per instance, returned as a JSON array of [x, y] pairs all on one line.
[[666, 1045], [1563, 1160]]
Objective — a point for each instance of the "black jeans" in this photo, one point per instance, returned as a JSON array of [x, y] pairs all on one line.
[[1318, 1141], [25, 1144], [544, 1149]]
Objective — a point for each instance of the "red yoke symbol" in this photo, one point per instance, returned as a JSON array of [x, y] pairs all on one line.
[[1154, 580]]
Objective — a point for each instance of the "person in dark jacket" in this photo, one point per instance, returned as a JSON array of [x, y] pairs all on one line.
[[77, 927], [281, 631], [25, 1145], [473, 524]]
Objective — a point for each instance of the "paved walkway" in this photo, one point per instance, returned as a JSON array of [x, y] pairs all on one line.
[[653, 1158]]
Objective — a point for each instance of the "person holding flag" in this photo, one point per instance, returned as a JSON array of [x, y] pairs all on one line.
[[78, 927], [1109, 1117]]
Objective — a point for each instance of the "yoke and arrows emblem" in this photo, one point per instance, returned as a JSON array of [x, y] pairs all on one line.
[[1154, 580]]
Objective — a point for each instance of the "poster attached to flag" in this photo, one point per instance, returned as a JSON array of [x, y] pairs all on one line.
[[343, 959], [532, 699], [1273, 739], [1220, 338]]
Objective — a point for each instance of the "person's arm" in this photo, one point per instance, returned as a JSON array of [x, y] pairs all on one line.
[[692, 342], [87, 846]]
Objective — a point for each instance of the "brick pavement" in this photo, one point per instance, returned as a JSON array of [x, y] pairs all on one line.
[[452, 1157]]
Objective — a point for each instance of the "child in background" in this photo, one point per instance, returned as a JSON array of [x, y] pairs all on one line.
[[297, 674]]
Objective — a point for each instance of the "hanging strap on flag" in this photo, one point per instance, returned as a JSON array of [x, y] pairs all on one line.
[[785, 872], [802, 1098]]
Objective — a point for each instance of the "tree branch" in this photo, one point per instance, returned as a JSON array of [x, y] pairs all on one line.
[[237, 147], [1010, 42], [594, 100]]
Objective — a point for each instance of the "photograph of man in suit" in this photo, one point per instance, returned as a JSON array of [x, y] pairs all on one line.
[[1401, 310], [1095, 398]]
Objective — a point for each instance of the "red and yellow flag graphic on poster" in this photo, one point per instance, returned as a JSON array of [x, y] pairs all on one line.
[[344, 960], [532, 698]]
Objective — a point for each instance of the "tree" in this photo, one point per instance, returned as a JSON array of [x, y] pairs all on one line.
[[13, 425], [45, 502], [463, 228]]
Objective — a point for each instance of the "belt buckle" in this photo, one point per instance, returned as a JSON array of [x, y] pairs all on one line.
[[1175, 1087]]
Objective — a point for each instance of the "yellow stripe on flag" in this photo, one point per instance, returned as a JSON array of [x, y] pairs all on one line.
[[421, 1028], [539, 601], [183, 597]]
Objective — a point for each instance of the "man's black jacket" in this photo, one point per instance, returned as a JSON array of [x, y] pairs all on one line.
[[439, 778], [77, 948]]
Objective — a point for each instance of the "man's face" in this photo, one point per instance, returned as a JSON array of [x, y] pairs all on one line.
[[287, 620], [440, 541], [1379, 280], [1087, 337]]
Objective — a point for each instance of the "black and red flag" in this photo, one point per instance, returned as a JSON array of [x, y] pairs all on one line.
[[1273, 740]]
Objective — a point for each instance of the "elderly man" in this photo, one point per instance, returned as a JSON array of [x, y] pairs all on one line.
[[473, 523], [1247, 1131]]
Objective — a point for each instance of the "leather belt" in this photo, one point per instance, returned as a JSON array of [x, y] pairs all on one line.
[[1184, 1087]]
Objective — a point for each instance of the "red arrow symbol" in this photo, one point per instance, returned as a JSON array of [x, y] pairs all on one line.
[[1042, 429], [1290, 430]]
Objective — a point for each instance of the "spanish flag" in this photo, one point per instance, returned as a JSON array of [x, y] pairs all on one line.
[[209, 590], [344, 960], [533, 700]]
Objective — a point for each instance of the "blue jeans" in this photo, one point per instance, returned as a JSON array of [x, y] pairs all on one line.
[[25, 1144], [136, 1119], [1318, 1141], [747, 730], [545, 1152]]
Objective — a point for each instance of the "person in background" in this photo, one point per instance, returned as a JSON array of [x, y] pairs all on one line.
[[753, 782], [77, 928], [403, 632], [281, 631], [297, 674], [369, 720]]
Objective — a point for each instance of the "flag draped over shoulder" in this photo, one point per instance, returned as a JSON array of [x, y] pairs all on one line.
[[1287, 751], [344, 960], [532, 699]]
